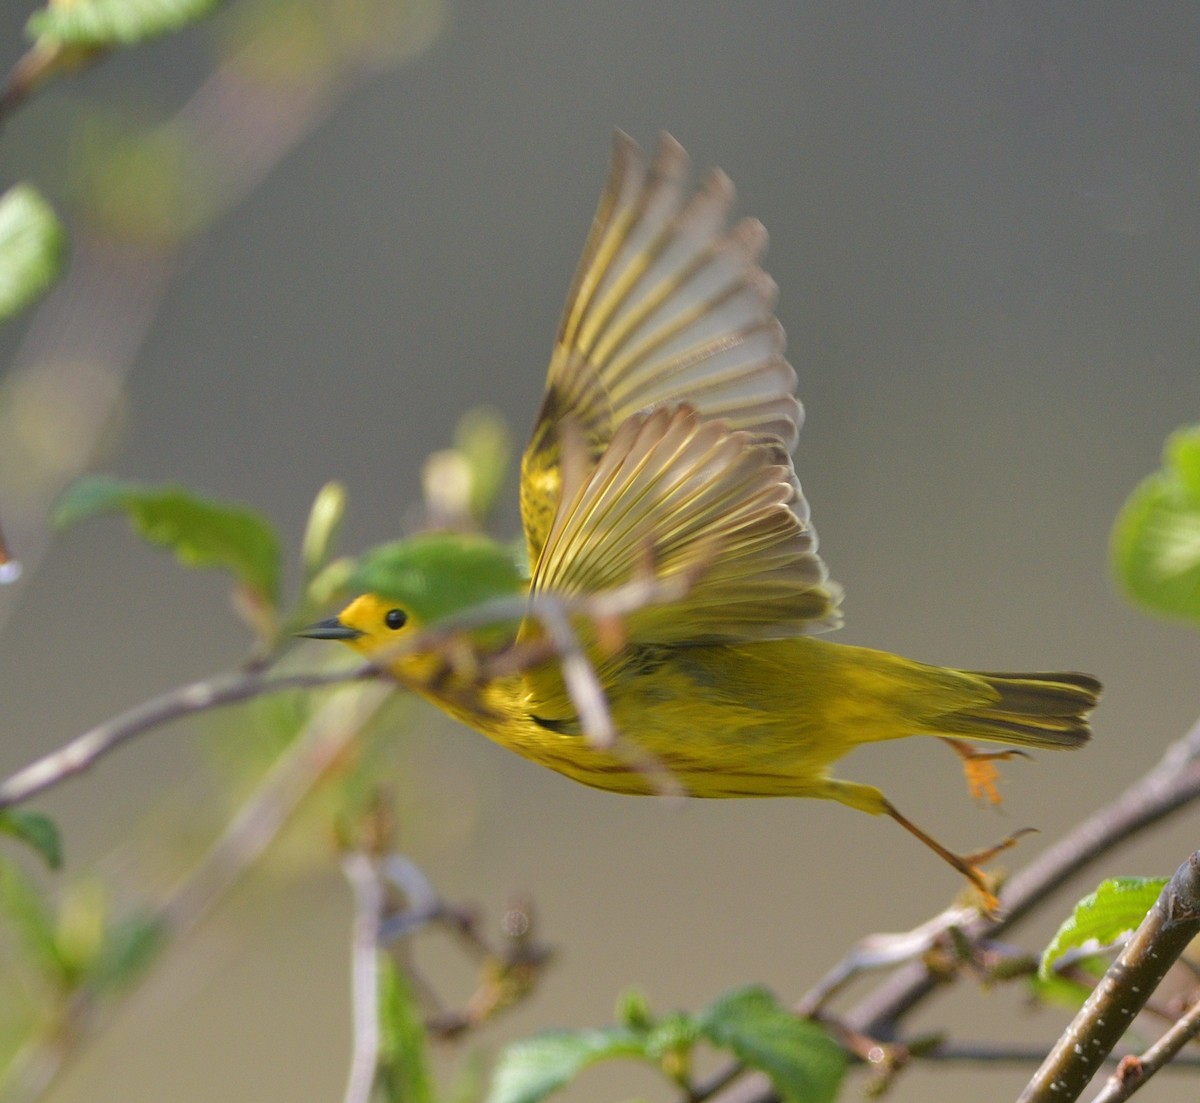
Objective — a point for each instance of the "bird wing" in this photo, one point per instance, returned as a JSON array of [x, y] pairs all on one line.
[[679, 498], [668, 306]]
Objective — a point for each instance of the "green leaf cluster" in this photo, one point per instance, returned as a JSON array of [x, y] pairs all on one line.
[[79, 943], [1116, 907], [32, 246], [802, 1062], [1155, 547], [106, 23], [201, 532]]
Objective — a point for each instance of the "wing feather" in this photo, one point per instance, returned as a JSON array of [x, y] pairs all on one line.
[[669, 332], [676, 493]]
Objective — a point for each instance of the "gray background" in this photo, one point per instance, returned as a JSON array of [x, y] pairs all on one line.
[[984, 224]]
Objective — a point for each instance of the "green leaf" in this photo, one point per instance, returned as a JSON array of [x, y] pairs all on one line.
[[438, 573], [25, 910], [403, 1051], [803, 1063], [32, 245], [1117, 906], [38, 831], [201, 532], [1155, 546], [100, 23], [531, 1069]]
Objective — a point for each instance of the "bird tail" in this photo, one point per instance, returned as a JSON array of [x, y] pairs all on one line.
[[1032, 710]]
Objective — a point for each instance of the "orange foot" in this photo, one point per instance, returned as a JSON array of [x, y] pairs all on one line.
[[980, 768]]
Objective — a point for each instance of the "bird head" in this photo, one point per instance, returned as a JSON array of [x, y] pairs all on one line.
[[413, 584]]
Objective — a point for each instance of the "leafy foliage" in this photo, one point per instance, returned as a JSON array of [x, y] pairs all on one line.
[[404, 1074], [803, 1063], [104, 23], [1156, 539], [1118, 905], [533, 1068], [32, 244], [438, 573], [201, 532], [38, 831]]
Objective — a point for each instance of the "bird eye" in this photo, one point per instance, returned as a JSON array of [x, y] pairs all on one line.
[[395, 618]]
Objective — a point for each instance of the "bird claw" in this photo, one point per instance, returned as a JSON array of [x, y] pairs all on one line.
[[980, 768]]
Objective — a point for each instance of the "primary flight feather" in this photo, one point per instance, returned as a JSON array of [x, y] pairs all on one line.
[[662, 449]]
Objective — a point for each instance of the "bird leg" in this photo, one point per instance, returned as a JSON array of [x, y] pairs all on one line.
[[966, 864]]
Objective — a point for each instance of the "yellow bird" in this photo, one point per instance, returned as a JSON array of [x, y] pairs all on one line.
[[663, 449]]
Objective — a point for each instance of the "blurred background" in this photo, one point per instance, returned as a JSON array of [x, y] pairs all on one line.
[[985, 227]]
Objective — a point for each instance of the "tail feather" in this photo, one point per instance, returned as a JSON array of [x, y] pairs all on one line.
[[1034, 710]]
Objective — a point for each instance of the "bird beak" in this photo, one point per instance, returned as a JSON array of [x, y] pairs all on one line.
[[331, 629]]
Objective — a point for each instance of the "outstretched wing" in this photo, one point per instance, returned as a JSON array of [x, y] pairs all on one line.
[[668, 306], [675, 494]]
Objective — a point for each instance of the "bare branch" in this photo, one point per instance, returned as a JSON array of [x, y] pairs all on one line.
[[1167, 787], [1133, 1072], [86, 750], [1129, 982], [362, 873]]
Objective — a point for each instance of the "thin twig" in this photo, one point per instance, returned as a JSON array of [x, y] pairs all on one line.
[[1168, 786], [320, 743], [362, 873], [1130, 981], [1133, 1072], [86, 750], [259, 820]]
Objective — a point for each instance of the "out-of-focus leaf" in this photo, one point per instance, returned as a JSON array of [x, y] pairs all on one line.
[[324, 523], [803, 1063], [403, 1051], [32, 244], [23, 908], [1117, 906], [533, 1068], [150, 185], [102, 23], [438, 573], [201, 532], [38, 831], [1155, 545], [1069, 989]]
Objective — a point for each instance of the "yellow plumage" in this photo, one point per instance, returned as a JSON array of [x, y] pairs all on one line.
[[662, 449]]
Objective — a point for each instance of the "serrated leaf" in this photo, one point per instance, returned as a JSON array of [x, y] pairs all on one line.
[[531, 1069], [32, 244], [36, 830], [201, 532], [1155, 546], [103, 23], [404, 1073], [803, 1063], [1118, 905], [23, 909]]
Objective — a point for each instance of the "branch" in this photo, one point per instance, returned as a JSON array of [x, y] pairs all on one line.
[[1129, 982], [369, 902], [1133, 1072], [319, 744], [86, 750], [1167, 787]]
